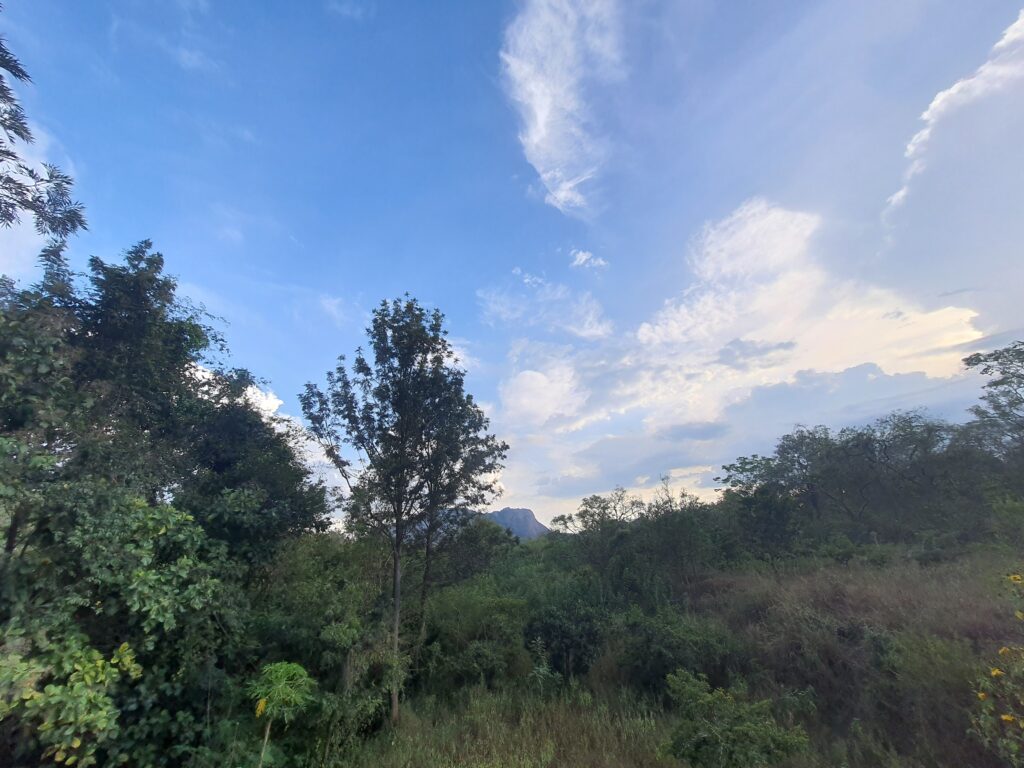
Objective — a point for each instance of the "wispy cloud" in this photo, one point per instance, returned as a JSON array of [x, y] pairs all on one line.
[[554, 49], [192, 59], [586, 260], [194, 6], [1004, 67], [336, 308], [534, 301], [350, 9]]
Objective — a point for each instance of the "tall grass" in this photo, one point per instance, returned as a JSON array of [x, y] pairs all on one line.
[[515, 729]]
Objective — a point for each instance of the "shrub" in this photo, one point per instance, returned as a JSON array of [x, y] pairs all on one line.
[[721, 730], [656, 645]]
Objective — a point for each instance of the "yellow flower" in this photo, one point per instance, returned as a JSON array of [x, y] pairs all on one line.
[[1003, 651], [1006, 718], [982, 695], [261, 707], [1019, 615], [997, 672], [1016, 578]]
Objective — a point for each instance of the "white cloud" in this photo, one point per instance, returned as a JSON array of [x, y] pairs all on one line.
[[263, 400], [334, 307], [553, 50], [350, 9], [586, 260], [193, 59], [763, 314], [194, 6], [533, 398], [538, 302], [763, 298], [463, 357], [1003, 68], [231, 234]]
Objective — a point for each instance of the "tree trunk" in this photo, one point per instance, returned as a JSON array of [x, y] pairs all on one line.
[[11, 541], [346, 672], [428, 550], [266, 738], [396, 626]]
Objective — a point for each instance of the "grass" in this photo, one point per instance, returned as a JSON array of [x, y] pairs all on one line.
[[888, 657], [519, 730]]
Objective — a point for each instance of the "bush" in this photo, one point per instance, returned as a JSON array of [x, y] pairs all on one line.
[[474, 637], [656, 645], [722, 730]]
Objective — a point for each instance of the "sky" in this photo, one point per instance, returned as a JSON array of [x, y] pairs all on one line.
[[662, 233]]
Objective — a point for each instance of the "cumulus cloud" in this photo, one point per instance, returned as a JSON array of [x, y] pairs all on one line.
[[1003, 68], [533, 398], [762, 313], [764, 307], [553, 51], [586, 260]]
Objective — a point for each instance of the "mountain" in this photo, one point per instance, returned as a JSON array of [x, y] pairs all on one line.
[[521, 522]]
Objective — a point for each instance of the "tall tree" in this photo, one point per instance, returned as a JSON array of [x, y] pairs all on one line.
[[421, 440]]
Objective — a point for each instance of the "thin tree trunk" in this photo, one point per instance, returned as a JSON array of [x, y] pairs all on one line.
[[12, 532], [346, 672], [11, 541], [428, 550], [396, 626], [266, 738]]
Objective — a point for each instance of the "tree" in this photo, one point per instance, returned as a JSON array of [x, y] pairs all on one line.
[[421, 440], [43, 193], [138, 488], [281, 691], [1002, 413]]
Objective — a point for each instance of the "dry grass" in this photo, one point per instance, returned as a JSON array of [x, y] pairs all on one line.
[[514, 730], [962, 600]]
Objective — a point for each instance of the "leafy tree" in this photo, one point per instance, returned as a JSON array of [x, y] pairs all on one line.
[[1002, 410], [45, 193], [421, 438], [476, 548], [281, 691], [135, 492]]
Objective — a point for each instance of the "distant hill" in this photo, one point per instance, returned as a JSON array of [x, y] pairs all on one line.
[[521, 522]]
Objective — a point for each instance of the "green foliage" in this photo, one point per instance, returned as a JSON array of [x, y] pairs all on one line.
[[45, 194], [427, 454], [999, 719], [653, 646], [65, 694], [475, 636], [720, 729], [282, 691]]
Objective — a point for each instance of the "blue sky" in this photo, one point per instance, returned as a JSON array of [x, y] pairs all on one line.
[[663, 232]]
